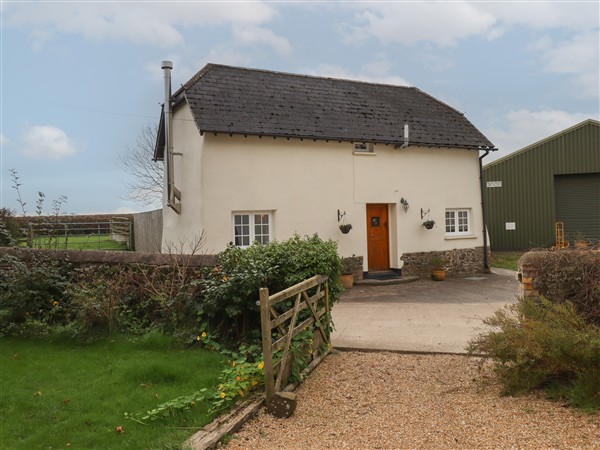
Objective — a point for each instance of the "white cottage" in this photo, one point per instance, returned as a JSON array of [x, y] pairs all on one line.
[[255, 155]]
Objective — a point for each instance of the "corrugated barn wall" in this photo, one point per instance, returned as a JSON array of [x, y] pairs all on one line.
[[528, 191]]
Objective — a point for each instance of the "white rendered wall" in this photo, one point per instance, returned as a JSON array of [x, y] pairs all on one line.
[[304, 183], [181, 230]]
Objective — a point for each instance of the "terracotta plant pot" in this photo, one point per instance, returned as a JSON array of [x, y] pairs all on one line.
[[347, 281], [438, 274]]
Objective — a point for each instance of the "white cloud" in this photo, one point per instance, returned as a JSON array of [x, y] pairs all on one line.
[[249, 35], [407, 23], [154, 23], [445, 23], [523, 127], [47, 142], [3, 140], [578, 57], [544, 14], [571, 49]]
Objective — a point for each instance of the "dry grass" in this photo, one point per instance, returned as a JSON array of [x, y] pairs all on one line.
[[385, 400]]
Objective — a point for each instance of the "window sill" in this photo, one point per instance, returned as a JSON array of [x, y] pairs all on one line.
[[365, 153], [466, 236]]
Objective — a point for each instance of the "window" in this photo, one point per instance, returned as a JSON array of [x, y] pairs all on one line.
[[250, 227], [457, 222], [363, 147]]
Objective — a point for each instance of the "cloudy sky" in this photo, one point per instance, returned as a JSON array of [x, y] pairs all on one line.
[[81, 79]]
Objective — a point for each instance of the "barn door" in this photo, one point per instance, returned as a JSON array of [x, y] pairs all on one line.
[[378, 242], [577, 203]]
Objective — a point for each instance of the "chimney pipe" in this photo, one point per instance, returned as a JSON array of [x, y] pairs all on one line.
[[167, 66]]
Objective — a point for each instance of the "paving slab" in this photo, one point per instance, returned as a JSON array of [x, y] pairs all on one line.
[[422, 316]]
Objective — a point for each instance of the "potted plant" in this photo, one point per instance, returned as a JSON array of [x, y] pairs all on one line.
[[438, 267], [345, 228], [348, 269], [428, 224]]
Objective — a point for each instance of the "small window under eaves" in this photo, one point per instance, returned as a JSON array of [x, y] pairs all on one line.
[[363, 147]]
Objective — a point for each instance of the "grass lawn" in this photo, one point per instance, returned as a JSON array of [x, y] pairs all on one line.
[[78, 242], [65, 394], [506, 260]]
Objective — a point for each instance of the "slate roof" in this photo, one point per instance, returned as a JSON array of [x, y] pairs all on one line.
[[235, 100]]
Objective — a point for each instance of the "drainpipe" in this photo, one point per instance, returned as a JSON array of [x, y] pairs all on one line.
[[486, 265]]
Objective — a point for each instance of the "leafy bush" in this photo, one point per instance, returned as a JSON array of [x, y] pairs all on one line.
[[42, 291], [542, 344], [9, 228], [230, 289], [134, 299], [572, 275], [33, 291]]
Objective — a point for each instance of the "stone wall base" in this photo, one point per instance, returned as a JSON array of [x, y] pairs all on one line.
[[460, 261]]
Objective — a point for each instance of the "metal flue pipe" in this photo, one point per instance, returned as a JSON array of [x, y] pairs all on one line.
[[167, 66]]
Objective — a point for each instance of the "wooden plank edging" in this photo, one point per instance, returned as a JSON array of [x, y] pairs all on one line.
[[209, 436]]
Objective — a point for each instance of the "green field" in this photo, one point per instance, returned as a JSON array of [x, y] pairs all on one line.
[[70, 395], [76, 242]]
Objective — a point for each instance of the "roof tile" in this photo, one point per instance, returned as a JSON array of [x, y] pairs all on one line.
[[226, 99]]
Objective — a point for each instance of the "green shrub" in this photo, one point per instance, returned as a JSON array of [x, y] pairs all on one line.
[[33, 291], [9, 228], [541, 344], [135, 299], [231, 289], [42, 291], [572, 275]]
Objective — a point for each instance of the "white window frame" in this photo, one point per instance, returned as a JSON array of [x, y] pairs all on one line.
[[455, 225], [252, 223]]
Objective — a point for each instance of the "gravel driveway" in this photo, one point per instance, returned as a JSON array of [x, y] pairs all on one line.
[[390, 400]]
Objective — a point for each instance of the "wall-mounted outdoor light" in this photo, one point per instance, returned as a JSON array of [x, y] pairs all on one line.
[[404, 204]]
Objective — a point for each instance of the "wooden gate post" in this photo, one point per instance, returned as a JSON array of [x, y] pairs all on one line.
[[265, 320]]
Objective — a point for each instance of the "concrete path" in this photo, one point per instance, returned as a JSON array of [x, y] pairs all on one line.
[[423, 316]]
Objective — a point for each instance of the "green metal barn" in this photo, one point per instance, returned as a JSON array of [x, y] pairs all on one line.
[[554, 180]]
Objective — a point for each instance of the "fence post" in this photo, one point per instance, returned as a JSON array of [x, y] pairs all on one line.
[[265, 321]]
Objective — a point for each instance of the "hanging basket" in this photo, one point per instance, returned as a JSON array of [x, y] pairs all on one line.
[[428, 224], [345, 228]]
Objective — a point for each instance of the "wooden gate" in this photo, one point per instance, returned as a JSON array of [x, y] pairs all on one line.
[[318, 306]]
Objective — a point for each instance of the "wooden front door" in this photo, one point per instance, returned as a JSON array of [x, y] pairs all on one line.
[[378, 242]]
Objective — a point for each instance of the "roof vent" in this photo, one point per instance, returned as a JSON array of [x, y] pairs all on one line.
[[406, 141]]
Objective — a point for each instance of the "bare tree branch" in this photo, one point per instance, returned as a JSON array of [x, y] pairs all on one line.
[[147, 184]]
